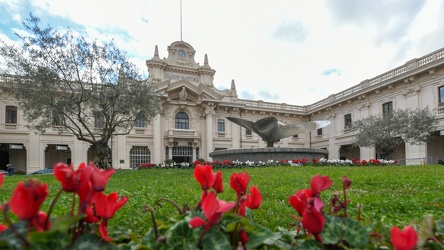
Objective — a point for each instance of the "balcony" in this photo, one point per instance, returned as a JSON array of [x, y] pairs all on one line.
[[183, 133]]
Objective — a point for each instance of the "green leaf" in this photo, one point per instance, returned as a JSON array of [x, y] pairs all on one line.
[[311, 245], [434, 246], [331, 234], [149, 239], [338, 230], [426, 230], [64, 222], [440, 227], [182, 236], [232, 222], [287, 235], [121, 234], [214, 239], [49, 240], [10, 236], [92, 242]]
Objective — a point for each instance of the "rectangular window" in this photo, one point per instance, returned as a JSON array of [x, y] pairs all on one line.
[[98, 120], [347, 121], [441, 95], [57, 118], [248, 132], [139, 155], [319, 131], [140, 123], [387, 108], [221, 125], [11, 114]]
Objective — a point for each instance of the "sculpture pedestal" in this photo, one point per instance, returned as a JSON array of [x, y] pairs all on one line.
[[269, 153]]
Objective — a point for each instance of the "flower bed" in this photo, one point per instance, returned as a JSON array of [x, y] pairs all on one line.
[[272, 163]]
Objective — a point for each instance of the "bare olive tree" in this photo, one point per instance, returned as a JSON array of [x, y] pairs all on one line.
[[88, 88], [388, 131]]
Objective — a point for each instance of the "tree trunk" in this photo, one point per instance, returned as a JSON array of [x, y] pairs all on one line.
[[103, 156]]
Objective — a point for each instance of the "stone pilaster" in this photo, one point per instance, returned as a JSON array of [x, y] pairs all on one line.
[[209, 112]]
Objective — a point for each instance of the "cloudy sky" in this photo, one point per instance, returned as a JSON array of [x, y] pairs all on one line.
[[284, 51]]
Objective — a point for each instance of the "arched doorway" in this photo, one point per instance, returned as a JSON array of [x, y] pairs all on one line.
[[55, 153], [139, 155]]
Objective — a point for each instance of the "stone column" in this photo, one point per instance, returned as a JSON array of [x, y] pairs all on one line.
[[35, 152], [194, 154], [209, 112], [235, 134], [79, 152], [367, 153], [170, 153], [415, 154], [333, 149], [120, 151], [157, 140]]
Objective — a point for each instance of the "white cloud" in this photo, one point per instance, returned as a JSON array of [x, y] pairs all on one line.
[[285, 51]]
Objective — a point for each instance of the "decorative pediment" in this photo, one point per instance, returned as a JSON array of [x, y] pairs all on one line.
[[185, 91]]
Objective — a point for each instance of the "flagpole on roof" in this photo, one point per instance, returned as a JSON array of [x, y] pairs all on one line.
[[181, 20]]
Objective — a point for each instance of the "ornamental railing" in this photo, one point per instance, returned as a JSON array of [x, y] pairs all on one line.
[[381, 79], [271, 105], [183, 133]]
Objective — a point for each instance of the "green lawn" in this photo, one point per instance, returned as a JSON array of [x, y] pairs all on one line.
[[397, 195]]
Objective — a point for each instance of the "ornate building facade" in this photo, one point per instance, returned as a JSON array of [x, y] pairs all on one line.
[[193, 121]]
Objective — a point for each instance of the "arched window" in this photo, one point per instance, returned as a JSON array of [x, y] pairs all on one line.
[[182, 121]]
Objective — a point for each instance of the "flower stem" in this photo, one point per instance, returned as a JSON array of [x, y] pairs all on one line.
[[345, 200], [150, 209], [12, 227], [52, 206], [181, 211]]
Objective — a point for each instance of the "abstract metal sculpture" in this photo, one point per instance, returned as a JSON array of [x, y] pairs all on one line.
[[271, 130]]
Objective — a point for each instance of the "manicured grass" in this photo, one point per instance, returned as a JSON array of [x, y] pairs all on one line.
[[396, 195]]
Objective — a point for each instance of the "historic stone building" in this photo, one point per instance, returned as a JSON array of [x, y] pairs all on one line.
[[193, 122]]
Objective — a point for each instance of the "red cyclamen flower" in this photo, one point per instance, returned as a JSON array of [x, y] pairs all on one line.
[[99, 177], [346, 182], [27, 198], [2, 178], [319, 184], [314, 222], [239, 182], [309, 206], [71, 179], [213, 210], [405, 239], [106, 207], [299, 200], [3, 227], [205, 176], [254, 199], [218, 182], [39, 221]]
